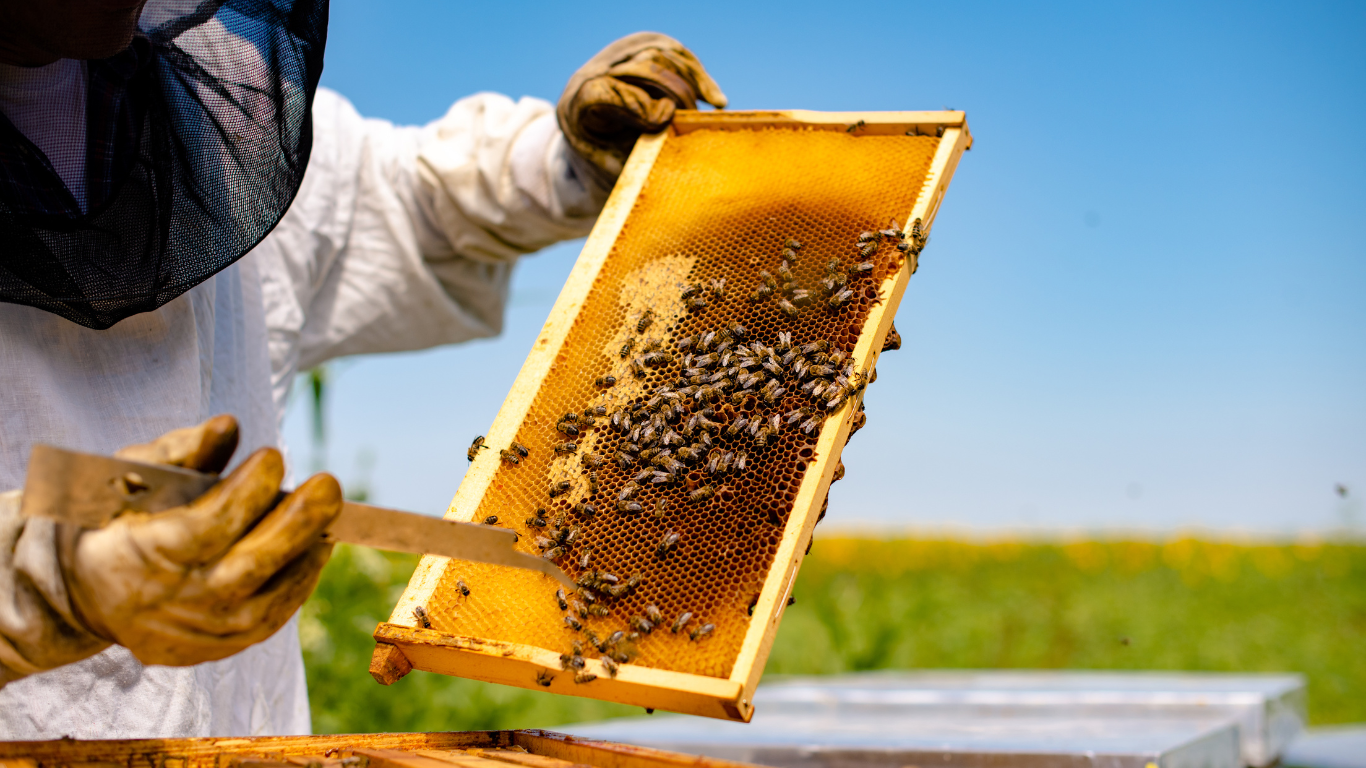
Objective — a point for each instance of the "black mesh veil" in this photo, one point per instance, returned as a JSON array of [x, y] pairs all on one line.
[[196, 140]]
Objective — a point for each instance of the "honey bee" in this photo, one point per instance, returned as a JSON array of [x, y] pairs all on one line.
[[579, 608], [420, 614], [657, 358], [641, 624], [761, 438], [605, 381], [701, 632], [760, 294], [491, 520], [629, 507], [554, 553], [592, 460], [562, 599], [638, 369], [784, 341], [510, 457], [474, 447], [741, 458], [793, 244], [628, 491], [568, 428], [862, 268], [685, 343], [702, 493], [840, 298], [667, 543], [559, 489], [691, 290], [856, 126], [609, 665], [572, 535], [790, 255], [544, 678], [536, 522], [868, 250], [646, 318], [787, 307], [652, 613], [600, 610], [718, 287], [680, 622], [584, 509], [567, 448], [584, 677], [573, 623], [660, 508], [628, 347], [801, 297], [785, 272], [462, 587], [819, 345]]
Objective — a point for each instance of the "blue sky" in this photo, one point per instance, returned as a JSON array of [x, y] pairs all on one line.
[[1144, 304]]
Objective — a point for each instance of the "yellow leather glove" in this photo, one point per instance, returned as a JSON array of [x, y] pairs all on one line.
[[630, 87], [203, 581]]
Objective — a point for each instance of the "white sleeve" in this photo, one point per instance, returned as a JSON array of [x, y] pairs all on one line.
[[405, 237]]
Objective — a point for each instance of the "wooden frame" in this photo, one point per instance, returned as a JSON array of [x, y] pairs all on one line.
[[458, 749], [402, 646]]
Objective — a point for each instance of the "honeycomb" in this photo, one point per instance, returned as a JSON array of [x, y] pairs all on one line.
[[717, 205]]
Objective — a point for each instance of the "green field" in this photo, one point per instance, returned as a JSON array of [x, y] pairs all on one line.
[[865, 604]]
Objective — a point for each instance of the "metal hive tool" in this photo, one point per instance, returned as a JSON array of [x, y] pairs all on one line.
[[719, 196]]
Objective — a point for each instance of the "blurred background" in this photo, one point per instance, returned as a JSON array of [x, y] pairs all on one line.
[[1127, 427]]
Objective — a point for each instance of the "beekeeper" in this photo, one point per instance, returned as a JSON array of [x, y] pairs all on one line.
[[165, 257]]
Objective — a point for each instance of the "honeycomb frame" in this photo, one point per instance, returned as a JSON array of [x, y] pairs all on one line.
[[403, 644]]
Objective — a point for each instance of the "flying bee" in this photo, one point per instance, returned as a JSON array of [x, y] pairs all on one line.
[[605, 381], [491, 520], [856, 126], [701, 632], [868, 250], [641, 625], [584, 677], [544, 678], [420, 614], [627, 348], [787, 307], [573, 623], [510, 457], [567, 448], [609, 665], [702, 493], [667, 543], [559, 489], [647, 317], [462, 587], [474, 447], [660, 508], [680, 622]]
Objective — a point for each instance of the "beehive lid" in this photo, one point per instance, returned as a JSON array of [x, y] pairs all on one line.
[[671, 439]]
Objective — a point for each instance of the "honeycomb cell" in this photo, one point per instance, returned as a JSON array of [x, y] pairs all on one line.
[[726, 311]]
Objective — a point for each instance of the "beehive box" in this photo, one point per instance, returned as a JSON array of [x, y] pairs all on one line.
[[706, 417], [470, 749]]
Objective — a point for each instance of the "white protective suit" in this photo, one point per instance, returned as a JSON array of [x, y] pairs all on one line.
[[400, 238]]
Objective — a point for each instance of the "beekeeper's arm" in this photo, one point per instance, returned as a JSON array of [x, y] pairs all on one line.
[[405, 237]]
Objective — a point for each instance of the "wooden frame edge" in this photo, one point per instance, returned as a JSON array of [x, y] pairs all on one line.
[[531, 667]]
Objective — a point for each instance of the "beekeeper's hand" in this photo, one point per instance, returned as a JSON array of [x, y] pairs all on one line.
[[630, 87], [206, 580]]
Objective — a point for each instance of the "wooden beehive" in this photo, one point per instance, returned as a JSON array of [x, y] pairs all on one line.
[[717, 196], [469, 749]]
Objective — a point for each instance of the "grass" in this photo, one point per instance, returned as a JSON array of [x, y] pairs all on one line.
[[867, 604]]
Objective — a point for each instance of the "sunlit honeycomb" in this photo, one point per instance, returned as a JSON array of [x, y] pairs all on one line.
[[717, 205]]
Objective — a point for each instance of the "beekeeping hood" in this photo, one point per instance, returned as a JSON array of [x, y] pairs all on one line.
[[196, 140]]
